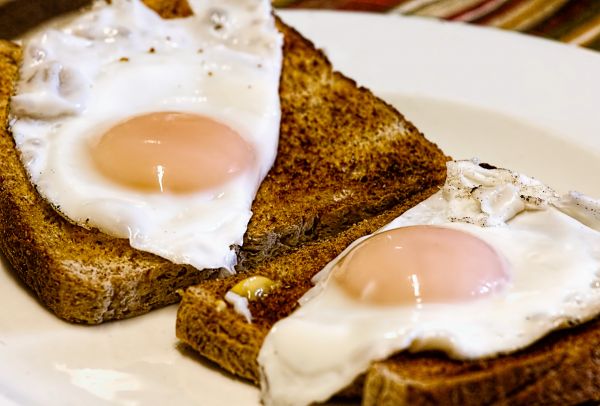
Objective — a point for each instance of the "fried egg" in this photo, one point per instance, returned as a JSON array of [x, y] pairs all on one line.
[[486, 266], [155, 130]]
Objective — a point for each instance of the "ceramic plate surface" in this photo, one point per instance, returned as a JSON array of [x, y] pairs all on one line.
[[509, 99]]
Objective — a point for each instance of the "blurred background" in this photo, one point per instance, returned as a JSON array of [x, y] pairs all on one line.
[[572, 21]]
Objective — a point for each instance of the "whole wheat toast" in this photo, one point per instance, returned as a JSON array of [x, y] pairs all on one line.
[[343, 156], [561, 369]]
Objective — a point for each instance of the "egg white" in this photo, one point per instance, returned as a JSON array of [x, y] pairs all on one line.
[[122, 60], [554, 265]]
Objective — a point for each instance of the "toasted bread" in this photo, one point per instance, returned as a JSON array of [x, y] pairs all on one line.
[[343, 156], [81, 275], [563, 368]]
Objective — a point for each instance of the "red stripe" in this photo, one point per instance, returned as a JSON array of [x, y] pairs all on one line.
[[356, 5]]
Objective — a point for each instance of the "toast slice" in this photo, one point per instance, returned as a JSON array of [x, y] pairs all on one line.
[[561, 369], [343, 156]]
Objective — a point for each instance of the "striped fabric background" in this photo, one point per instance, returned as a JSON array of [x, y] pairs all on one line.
[[572, 21]]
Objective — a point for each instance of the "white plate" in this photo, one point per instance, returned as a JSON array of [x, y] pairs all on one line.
[[512, 100]]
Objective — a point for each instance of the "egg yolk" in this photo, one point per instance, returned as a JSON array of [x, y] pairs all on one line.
[[420, 264], [172, 152]]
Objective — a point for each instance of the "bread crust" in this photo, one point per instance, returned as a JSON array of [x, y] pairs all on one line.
[[343, 156], [561, 369]]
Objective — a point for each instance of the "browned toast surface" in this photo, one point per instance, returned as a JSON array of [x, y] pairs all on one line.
[[343, 156], [561, 369]]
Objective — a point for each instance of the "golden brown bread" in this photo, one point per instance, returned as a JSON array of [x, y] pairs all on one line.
[[561, 369], [343, 156]]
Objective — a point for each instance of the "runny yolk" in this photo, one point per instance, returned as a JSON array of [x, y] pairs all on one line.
[[174, 152], [420, 264]]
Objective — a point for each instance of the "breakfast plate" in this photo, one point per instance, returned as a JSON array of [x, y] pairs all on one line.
[[508, 99]]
